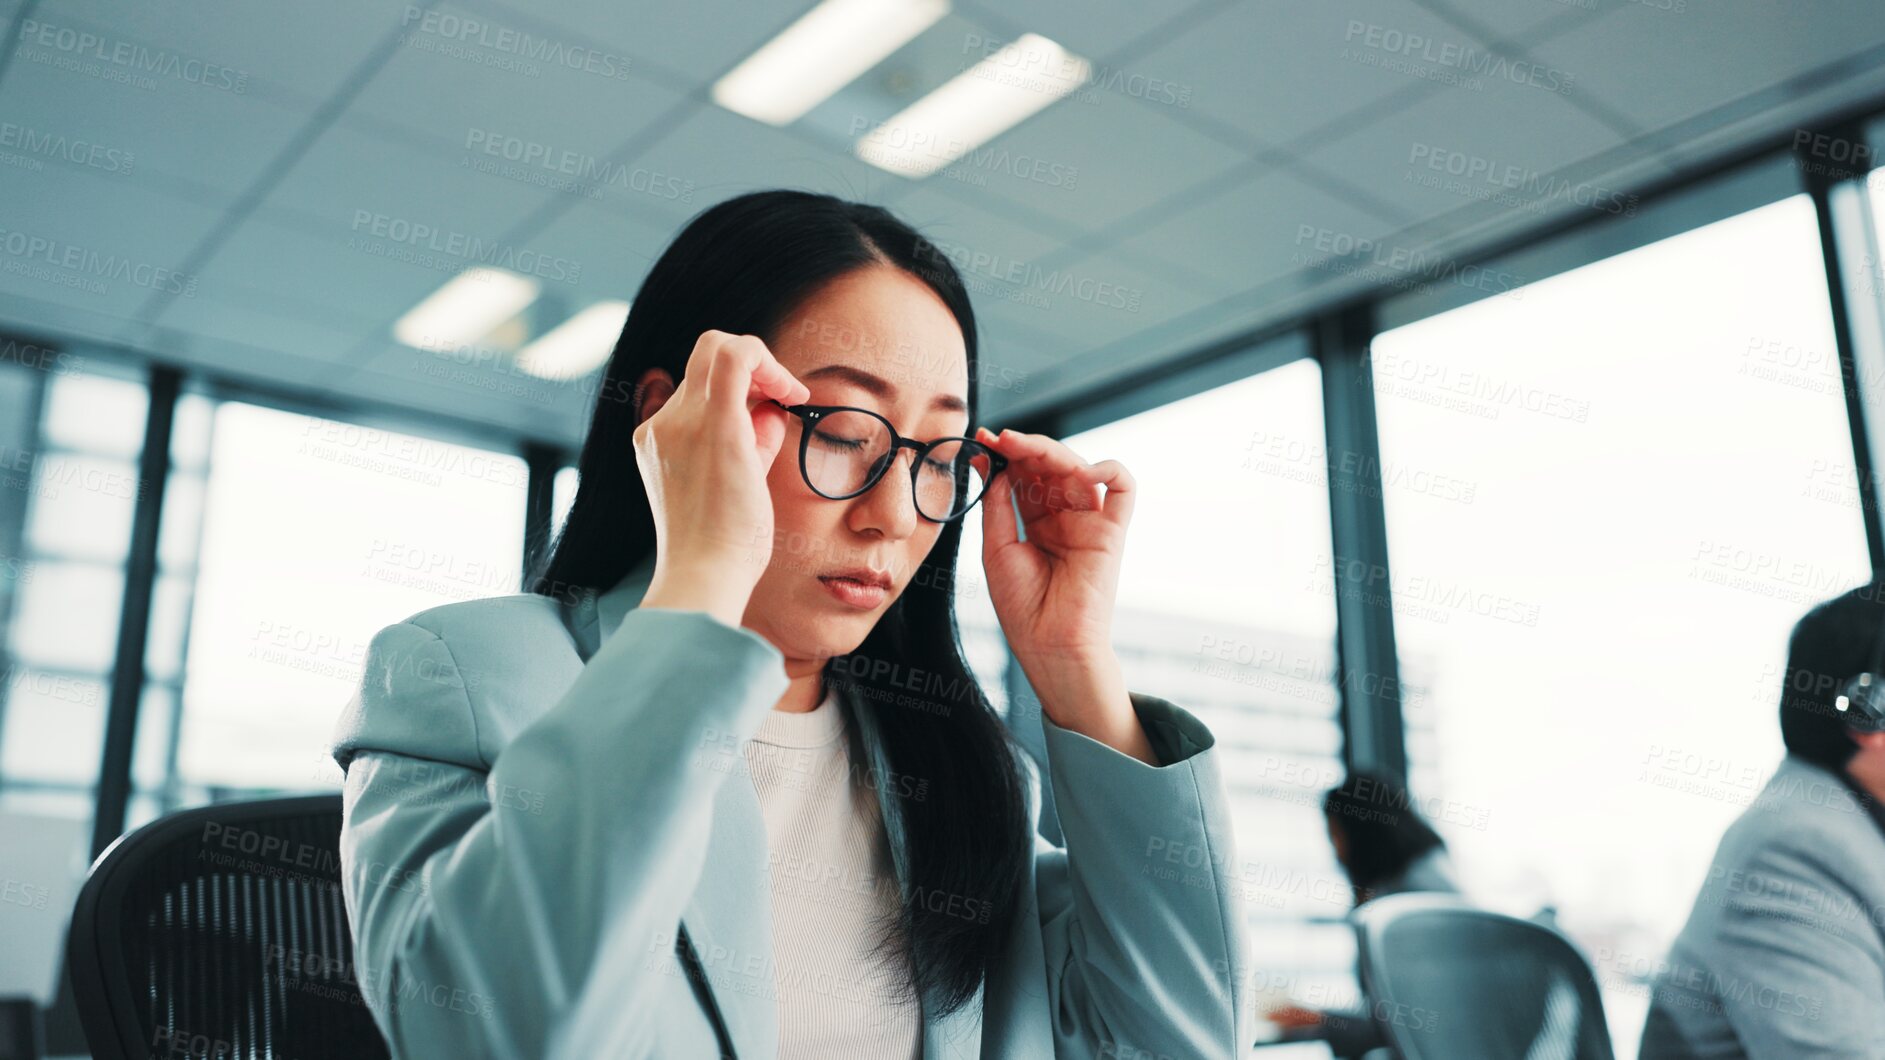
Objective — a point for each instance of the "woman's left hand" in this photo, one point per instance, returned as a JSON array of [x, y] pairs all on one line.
[[1054, 592]]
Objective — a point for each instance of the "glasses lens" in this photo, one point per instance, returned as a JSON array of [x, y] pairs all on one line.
[[949, 483], [843, 452]]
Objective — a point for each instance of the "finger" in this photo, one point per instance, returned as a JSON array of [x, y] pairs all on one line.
[[1121, 490], [998, 516], [1052, 476], [773, 380], [1043, 453], [730, 373], [743, 370]]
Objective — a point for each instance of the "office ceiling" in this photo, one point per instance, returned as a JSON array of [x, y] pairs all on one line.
[[237, 187]]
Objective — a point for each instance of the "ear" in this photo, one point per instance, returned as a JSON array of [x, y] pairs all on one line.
[[652, 391]]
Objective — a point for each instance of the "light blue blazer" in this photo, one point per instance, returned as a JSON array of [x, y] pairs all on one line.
[[540, 794]]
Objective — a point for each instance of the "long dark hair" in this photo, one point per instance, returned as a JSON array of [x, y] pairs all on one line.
[[1384, 829], [742, 266]]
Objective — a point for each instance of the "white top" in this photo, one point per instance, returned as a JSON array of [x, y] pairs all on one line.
[[832, 880]]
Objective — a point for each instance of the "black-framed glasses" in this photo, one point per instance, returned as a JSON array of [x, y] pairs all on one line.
[[844, 451]]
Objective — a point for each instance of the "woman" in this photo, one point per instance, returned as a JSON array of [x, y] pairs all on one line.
[[724, 780], [1384, 847], [1381, 841]]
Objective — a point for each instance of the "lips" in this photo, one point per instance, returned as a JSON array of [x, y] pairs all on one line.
[[861, 575]]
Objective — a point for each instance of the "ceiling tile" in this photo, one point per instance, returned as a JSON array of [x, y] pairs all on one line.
[[309, 50], [1522, 21], [355, 181], [1457, 148], [1277, 71], [613, 250], [475, 387], [1095, 300], [607, 255], [221, 140], [289, 348], [351, 281], [1066, 162], [971, 236], [97, 242], [1661, 66], [700, 39], [715, 154], [497, 97], [1013, 359], [1255, 231], [1095, 29]]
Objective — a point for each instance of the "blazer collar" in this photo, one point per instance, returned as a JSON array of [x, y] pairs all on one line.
[[730, 912]]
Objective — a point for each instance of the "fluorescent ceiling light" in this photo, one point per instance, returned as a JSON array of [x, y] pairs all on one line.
[[822, 52], [974, 107], [576, 346], [467, 308]]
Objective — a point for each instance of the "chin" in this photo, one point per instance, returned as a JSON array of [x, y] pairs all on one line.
[[816, 633]]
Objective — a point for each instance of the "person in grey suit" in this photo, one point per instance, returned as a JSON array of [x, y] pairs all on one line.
[[564, 835], [1783, 956]]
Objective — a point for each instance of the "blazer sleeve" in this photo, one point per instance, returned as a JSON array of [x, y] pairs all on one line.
[[478, 893], [1143, 937], [1796, 965]]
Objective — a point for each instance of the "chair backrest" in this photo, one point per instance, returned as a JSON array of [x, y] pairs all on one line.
[[1449, 981], [221, 932]]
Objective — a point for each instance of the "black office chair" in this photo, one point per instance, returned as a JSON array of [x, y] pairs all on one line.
[[1448, 981], [221, 932]]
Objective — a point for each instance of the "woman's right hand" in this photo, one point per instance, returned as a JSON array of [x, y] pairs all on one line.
[[704, 456]]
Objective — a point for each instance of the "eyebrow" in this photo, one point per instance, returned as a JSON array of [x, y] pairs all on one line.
[[878, 386]]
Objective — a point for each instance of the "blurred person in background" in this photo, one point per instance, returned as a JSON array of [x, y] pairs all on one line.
[[1384, 847], [723, 781], [1783, 955]]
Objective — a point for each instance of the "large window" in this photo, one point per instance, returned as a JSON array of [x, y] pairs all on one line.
[[315, 534], [75, 485], [1656, 482], [69, 445], [1226, 608]]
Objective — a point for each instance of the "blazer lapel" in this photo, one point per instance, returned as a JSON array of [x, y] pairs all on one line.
[[729, 917]]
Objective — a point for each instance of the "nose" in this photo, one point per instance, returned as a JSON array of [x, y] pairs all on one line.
[[889, 507]]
